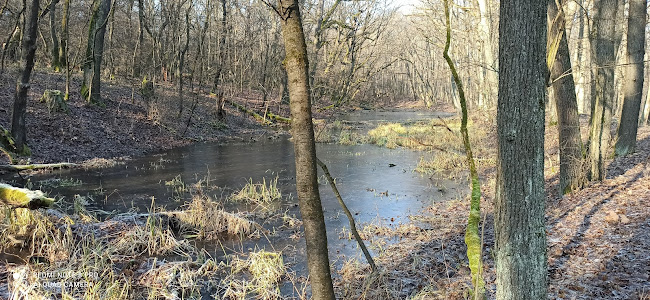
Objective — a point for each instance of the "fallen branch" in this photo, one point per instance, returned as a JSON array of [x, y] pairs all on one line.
[[353, 227], [255, 115], [263, 119], [18, 168]]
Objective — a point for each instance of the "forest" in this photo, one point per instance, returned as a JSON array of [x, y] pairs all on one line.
[[324, 149]]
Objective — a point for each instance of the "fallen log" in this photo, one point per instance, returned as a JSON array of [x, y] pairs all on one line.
[[23, 198], [255, 115], [278, 118], [18, 168]]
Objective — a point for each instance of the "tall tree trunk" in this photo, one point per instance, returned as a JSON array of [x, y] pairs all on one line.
[[604, 47], [302, 129], [580, 77], [181, 60], [216, 88], [18, 129], [563, 88], [56, 50], [91, 85], [12, 40], [63, 48], [633, 86], [521, 265], [485, 25]]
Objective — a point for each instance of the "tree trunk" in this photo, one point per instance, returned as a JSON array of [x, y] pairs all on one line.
[[63, 48], [63, 55], [472, 236], [485, 25], [91, 86], [311, 210], [18, 129], [521, 265], [216, 89], [181, 60], [563, 88], [604, 56], [633, 87], [56, 62]]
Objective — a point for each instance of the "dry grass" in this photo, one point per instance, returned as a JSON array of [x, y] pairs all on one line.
[[121, 258], [259, 193], [442, 140], [264, 270], [204, 218]]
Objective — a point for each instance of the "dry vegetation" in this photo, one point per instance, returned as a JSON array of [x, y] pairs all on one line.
[[134, 256]]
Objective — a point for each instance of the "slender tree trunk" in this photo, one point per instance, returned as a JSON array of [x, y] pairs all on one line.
[[9, 44], [472, 237], [646, 104], [181, 60], [305, 150], [98, 51], [563, 88], [91, 85], [18, 129], [604, 56], [216, 89], [56, 61], [63, 48], [633, 86], [485, 25], [521, 265]]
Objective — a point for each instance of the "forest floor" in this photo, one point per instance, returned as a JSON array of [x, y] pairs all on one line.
[[123, 128], [598, 238]]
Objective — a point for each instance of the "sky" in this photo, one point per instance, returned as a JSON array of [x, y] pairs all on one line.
[[406, 6]]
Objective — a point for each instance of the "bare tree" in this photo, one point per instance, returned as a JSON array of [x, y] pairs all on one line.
[[216, 89], [91, 85], [572, 175], [633, 87], [604, 45], [297, 67], [56, 48], [18, 129]]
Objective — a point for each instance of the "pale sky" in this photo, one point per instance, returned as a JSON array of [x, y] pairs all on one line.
[[406, 6]]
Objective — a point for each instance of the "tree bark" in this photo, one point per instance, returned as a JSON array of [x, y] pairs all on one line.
[[633, 86], [216, 89], [302, 129], [181, 60], [521, 264], [604, 47], [56, 49], [63, 55], [563, 89], [485, 25], [18, 129], [91, 86]]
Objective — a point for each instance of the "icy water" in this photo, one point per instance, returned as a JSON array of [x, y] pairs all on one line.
[[379, 185]]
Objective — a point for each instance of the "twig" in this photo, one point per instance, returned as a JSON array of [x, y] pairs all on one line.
[[353, 227]]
